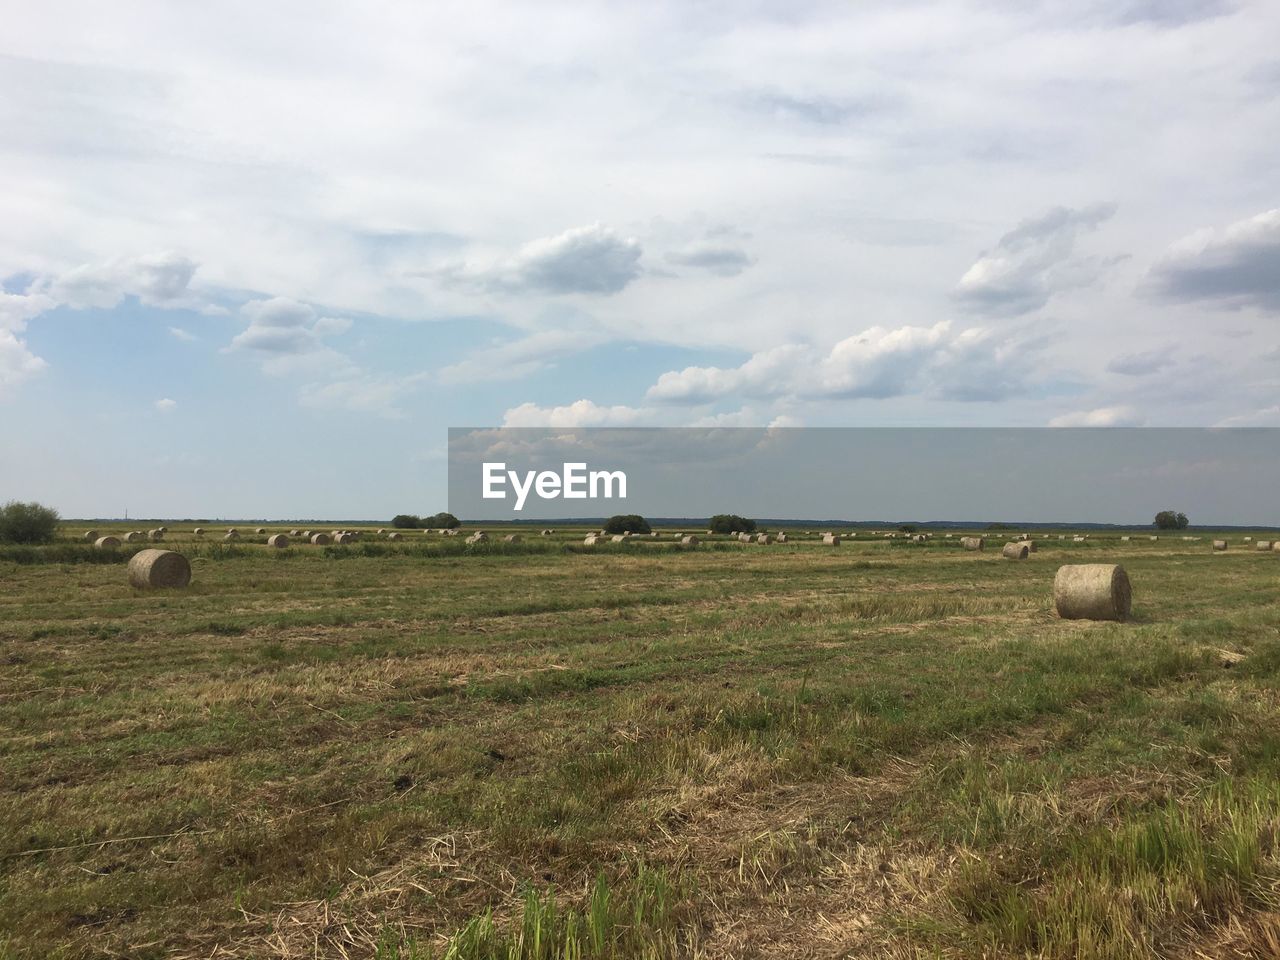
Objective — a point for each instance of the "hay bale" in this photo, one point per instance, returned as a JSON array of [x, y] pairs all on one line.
[[134, 536], [1092, 591], [744, 538], [1275, 546], [344, 538], [478, 537], [321, 539], [1263, 545], [393, 536], [231, 535], [618, 538], [1219, 544], [306, 534], [1016, 551], [163, 529], [830, 540], [90, 536], [155, 536], [973, 543], [1126, 539], [198, 531], [689, 541], [1154, 539], [547, 533], [279, 541], [382, 531], [233, 530], [107, 543], [782, 538], [511, 538], [294, 534], [764, 538], [590, 540], [159, 568]]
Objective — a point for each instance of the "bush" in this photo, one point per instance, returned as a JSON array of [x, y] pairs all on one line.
[[627, 523], [1171, 520], [907, 528], [406, 521], [446, 521], [730, 523], [27, 523]]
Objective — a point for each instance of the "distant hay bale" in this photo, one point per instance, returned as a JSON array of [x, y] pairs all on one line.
[[90, 536], [279, 541], [973, 543], [1263, 545], [107, 543], [478, 537], [295, 534], [321, 539], [744, 538], [547, 533], [393, 535], [159, 568], [163, 529], [763, 538], [1248, 539], [381, 531], [689, 541], [233, 530], [1126, 539], [782, 538], [830, 540], [306, 534], [511, 538], [618, 538], [1016, 550], [134, 536], [261, 530], [1154, 538], [344, 538], [590, 540], [1092, 591], [653, 535], [198, 531], [231, 535], [155, 536], [1077, 539], [1275, 546], [1031, 545], [1219, 544]]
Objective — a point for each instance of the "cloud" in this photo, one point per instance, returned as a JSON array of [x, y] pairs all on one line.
[[360, 393], [1141, 364], [286, 335], [17, 363], [1101, 417], [581, 413], [586, 260], [1237, 266], [720, 260], [966, 365], [165, 405], [179, 334], [17, 308], [514, 359], [1032, 262], [160, 279], [1169, 13], [1264, 417]]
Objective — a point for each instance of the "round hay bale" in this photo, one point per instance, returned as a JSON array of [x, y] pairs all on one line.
[[1248, 539], [107, 543], [394, 536], [1263, 545], [1016, 551], [198, 531], [321, 539], [478, 537], [1092, 591], [163, 529], [159, 568], [261, 530], [511, 538], [381, 531], [90, 536], [233, 530], [231, 535], [294, 534], [830, 540], [618, 538], [344, 538], [764, 538], [133, 536], [590, 540], [689, 541], [1126, 539], [155, 536], [973, 543], [306, 534], [1219, 544], [1154, 539], [279, 541], [1275, 546], [782, 538]]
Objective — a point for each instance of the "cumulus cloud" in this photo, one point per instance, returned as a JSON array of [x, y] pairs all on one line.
[[286, 335], [160, 279], [1142, 364], [179, 334], [1032, 262], [581, 413], [1236, 266], [966, 365], [17, 308], [164, 405], [587, 260], [1121, 416], [17, 363], [723, 261]]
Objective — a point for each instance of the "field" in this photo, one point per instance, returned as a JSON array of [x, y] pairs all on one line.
[[541, 750]]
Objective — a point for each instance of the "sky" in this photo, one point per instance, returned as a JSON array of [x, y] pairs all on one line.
[[255, 260]]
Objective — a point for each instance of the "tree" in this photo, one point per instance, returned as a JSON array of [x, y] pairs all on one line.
[[27, 523], [907, 528], [730, 523], [446, 521], [627, 523], [406, 521], [1171, 520]]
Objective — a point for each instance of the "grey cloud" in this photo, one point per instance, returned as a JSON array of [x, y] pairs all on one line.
[[1237, 266], [815, 109], [588, 260], [284, 333], [160, 279], [1141, 364], [1170, 13], [720, 260], [1034, 261]]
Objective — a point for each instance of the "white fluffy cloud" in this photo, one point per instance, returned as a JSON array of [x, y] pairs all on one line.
[[585, 260], [1101, 417], [165, 405], [287, 336], [160, 279], [969, 364], [1238, 265], [1032, 262], [581, 413], [17, 363]]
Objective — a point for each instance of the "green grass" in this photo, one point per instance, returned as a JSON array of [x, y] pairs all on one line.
[[428, 750]]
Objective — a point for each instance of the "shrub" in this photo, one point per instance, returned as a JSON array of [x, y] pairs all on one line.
[[27, 523], [907, 528], [627, 523], [406, 521], [445, 521], [730, 523]]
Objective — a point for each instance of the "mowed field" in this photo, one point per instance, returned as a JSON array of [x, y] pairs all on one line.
[[538, 750]]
